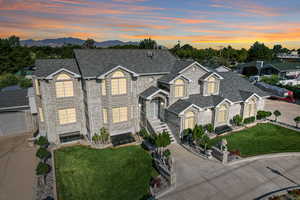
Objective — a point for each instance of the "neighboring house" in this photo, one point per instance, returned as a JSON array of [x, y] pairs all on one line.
[[126, 90], [16, 111], [285, 70]]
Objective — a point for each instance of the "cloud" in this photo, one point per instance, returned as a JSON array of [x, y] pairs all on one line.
[[247, 7], [187, 20]]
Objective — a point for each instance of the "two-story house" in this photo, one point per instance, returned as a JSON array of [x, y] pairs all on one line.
[[124, 90]]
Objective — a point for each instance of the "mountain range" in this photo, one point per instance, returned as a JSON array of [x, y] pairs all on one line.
[[74, 41]]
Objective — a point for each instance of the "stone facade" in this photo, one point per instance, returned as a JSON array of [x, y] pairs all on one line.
[[89, 102]]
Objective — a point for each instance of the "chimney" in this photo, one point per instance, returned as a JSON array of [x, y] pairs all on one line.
[[150, 54]]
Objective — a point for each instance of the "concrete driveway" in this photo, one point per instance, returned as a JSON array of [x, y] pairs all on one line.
[[288, 110], [202, 179], [17, 165]]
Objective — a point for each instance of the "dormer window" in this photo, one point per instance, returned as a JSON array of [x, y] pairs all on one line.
[[179, 88], [118, 83], [64, 86], [211, 86]]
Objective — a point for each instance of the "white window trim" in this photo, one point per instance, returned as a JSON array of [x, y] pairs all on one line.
[[69, 119], [105, 117]]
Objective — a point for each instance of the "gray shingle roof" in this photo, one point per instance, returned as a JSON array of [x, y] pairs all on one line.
[[13, 98], [148, 92], [179, 106], [233, 83], [233, 87], [95, 62], [45, 67], [174, 72]]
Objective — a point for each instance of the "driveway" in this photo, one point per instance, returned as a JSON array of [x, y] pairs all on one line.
[[202, 179], [288, 110], [17, 165]]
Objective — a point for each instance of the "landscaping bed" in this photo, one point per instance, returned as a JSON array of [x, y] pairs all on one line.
[[264, 138], [110, 174]]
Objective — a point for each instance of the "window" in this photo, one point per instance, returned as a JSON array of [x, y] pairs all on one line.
[[118, 83], [211, 85], [189, 121], [103, 87], [250, 108], [179, 88], [64, 86], [222, 114], [104, 113], [41, 114], [37, 87], [67, 116], [119, 114]]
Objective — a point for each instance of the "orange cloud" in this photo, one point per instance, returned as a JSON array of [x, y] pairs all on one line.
[[187, 20]]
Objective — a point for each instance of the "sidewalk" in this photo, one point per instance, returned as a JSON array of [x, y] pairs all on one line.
[[17, 165]]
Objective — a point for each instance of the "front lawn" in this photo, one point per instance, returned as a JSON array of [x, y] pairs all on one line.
[[262, 139], [108, 174]]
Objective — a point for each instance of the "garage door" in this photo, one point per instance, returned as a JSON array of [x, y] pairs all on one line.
[[12, 123]]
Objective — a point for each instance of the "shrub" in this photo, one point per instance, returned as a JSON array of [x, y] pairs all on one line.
[[297, 120], [25, 83], [261, 114], [7, 80], [43, 153], [277, 114], [42, 169], [42, 141], [249, 120], [209, 128], [237, 120], [198, 132], [167, 153], [144, 133]]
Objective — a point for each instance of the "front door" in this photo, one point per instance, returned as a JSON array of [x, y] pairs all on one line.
[[156, 108]]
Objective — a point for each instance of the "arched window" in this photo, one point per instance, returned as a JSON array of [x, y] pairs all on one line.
[[118, 83], [250, 108], [64, 86], [189, 120], [211, 85], [179, 88], [222, 114]]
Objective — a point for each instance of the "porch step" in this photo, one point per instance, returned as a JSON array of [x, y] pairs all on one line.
[[160, 126]]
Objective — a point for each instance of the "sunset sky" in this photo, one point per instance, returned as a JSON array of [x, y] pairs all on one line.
[[201, 23]]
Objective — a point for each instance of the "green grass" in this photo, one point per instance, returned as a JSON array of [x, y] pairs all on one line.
[[108, 174], [262, 139]]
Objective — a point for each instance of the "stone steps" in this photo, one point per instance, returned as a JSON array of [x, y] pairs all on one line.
[[160, 126]]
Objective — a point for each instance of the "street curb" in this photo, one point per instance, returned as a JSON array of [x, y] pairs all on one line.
[[267, 156]]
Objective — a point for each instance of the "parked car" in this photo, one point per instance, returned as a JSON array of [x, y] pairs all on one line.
[[277, 92]]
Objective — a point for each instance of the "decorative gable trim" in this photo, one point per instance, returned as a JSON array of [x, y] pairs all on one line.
[[180, 76], [187, 67], [102, 76], [156, 92], [224, 100], [62, 70], [213, 74], [254, 94], [192, 105]]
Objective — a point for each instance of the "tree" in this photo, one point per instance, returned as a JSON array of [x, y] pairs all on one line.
[[148, 44], [258, 51], [261, 114], [277, 114], [14, 41], [89, 44], [42, 153], [237, 120], [198, 132], [273, 80], [297, 121], [209, 128], [298, 51], [42, 170], [204, 141]]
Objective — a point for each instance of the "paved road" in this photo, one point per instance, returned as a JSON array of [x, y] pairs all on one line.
[[17, 165], [288, 110], [202, 179]]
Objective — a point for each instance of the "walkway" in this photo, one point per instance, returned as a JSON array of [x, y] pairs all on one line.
[[17, 165], [202, 179]]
